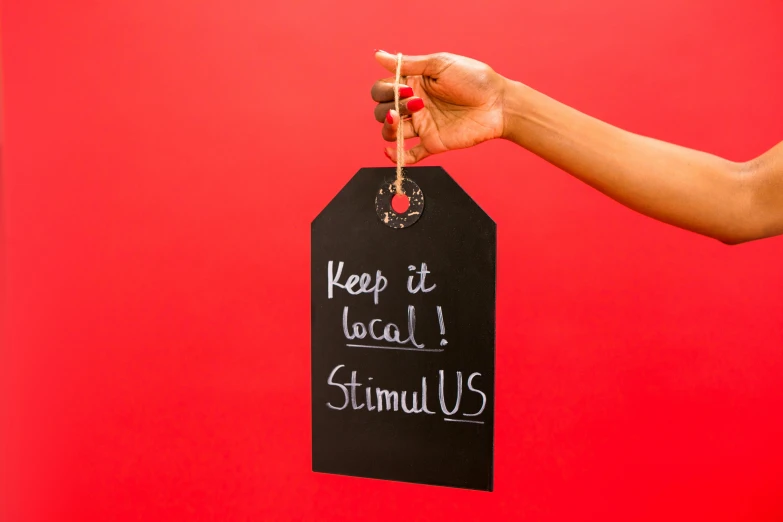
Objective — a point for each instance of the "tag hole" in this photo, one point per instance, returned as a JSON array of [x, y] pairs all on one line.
[[400, 203]]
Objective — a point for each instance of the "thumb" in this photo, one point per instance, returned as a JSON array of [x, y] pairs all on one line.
[[424, 65], [412, 156]]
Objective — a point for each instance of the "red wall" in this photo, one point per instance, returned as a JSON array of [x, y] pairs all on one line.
[[163, 161]]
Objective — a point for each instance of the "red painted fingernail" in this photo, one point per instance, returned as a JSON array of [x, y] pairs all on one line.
[[386, 153], [389, 118], [415, 104], [406, 92]]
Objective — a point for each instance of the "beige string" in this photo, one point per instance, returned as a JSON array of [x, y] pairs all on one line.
[[400, 137]]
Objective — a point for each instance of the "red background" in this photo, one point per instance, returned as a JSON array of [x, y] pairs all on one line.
[[163, 161]]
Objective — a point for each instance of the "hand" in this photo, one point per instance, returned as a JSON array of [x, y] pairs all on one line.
[[453, 103]]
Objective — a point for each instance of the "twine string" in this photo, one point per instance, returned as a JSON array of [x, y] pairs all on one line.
[[400, 137]]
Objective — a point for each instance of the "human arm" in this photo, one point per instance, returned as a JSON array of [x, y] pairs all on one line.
[[466, 103]]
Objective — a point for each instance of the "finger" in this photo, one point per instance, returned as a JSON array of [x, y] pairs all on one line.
[[407, 107], [392, 123], [383, 90], [424, 65], [412, 156]]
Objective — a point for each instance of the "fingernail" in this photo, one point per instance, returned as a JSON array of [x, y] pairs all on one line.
[[389, 118], [381, 51], [406, 92], [415, 104], [386, 153]]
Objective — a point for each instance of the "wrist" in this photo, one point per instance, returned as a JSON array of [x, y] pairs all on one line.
[[514, 107]]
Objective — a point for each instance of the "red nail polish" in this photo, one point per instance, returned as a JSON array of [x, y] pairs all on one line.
[[406, 92], [415, 104], [389, 118]]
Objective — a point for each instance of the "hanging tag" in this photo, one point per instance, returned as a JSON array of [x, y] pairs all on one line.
[[403, 332]]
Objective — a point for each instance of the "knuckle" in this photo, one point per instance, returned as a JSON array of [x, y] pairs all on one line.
[[379, 113], [376, 91], [444, 58]]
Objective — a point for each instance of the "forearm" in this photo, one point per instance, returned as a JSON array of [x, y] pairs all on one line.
[[686, 188]]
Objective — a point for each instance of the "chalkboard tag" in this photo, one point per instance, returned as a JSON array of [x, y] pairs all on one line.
[[403, 332]]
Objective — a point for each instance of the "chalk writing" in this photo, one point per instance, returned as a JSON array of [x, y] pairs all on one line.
[[389, 336], [389, 400]]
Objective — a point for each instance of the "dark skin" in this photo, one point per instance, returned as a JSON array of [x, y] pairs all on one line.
[[464, 102]]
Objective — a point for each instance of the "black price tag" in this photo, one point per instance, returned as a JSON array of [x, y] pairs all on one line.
[[403, 332]]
